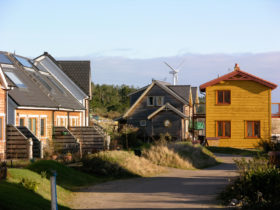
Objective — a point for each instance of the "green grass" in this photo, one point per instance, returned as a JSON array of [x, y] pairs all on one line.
[[67, 177], [234, 151], [14, 196]]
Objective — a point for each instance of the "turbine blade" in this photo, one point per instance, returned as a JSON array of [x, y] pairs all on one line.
[[169, 66]]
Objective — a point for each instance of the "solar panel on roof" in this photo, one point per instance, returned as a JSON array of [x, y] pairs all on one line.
[[15, 80], [42, 81], [56, 85], [5, 59], [23, 61]]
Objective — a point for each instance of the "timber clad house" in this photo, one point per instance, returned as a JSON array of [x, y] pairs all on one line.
[[161, 108], [43, 102], [238, 109]]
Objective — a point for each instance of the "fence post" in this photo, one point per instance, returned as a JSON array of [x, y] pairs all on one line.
[[53, 191], [30, 148]]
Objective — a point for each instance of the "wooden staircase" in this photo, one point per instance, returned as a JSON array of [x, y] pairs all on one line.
[[91, 138], [36, 142], [64, 141]]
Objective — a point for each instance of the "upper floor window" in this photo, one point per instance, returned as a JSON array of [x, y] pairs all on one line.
[[160, 100], [155, 100], [150, 101], [223, 97], [253, 129], [223, 129]]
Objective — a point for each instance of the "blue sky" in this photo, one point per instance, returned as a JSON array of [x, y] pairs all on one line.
[[141, 30]]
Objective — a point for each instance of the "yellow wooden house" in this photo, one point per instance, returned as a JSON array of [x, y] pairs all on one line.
[[238, 109]]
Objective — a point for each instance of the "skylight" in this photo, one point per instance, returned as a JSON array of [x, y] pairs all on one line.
[[5, 59], [15, 80], [23, 61]]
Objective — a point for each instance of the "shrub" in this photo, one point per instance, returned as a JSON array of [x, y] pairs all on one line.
[[162, 155], [119, 164], [29, 184], [257, 186], [199, 156]]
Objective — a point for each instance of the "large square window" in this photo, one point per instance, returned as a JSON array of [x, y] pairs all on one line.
[[253, 129], [5, 59], [23, 61], [223, 97], [223, 129], [15, 80]]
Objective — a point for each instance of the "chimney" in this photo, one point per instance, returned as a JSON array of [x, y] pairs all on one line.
[[236, 67]]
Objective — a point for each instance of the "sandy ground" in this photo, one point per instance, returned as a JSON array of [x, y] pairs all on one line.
[[176, 189]]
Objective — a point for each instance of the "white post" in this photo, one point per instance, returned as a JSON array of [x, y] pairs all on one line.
[[41, 145], [30, 148], [53, 192], [108, 140]]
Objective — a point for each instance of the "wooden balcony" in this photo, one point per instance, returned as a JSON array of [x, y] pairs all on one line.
[[275, 110]]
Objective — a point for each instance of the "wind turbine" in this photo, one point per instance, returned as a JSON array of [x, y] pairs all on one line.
[[174, 72]]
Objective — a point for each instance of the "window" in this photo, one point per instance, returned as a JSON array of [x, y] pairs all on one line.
[[21, 121], [253, 129], [160, 100], [5, 59], [150, 101], [43, 82], [1, 128], [32, 125], [15, 80], [23, 61], [143, 123], [43, 127], [223, 129], [223, 97]]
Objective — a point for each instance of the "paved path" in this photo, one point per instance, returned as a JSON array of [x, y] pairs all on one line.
[[177, 189]]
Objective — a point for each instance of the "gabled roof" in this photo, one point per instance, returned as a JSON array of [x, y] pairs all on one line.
[[194, 91], [181, 90], [161, 85], [237, 74], [79, 72], [167, 106], [37, 89]]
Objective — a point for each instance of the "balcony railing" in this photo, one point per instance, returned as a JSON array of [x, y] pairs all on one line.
[[275, 110]]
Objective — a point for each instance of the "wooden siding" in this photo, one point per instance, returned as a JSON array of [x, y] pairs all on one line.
[[175, 128], [3, 116], [249, 101], [48, 114], [142, 111]]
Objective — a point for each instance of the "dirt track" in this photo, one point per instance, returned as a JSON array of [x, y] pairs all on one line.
[[177, 189]]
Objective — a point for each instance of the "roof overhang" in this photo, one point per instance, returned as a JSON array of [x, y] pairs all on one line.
[[167, 106], [242, 75], [147, 90]]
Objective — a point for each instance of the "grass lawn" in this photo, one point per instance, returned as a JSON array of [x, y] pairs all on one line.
[[234, 151], [67, 177], [13, 195]]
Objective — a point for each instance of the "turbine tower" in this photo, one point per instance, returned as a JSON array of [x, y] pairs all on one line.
[[174, 72]]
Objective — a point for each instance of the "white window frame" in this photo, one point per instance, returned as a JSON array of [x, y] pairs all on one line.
[[148, 101], [162, 100]]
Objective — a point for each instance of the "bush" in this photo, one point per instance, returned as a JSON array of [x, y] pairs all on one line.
[[162, 155], [257, 186], [29, 184], [119, 164], [199, 156]]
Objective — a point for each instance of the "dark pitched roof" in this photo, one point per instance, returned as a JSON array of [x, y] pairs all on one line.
[[79, 72], [41, 89], [194, 93], [238, 74], [181, 90]]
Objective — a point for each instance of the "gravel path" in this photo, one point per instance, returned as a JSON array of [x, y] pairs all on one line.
[[177, 189]]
